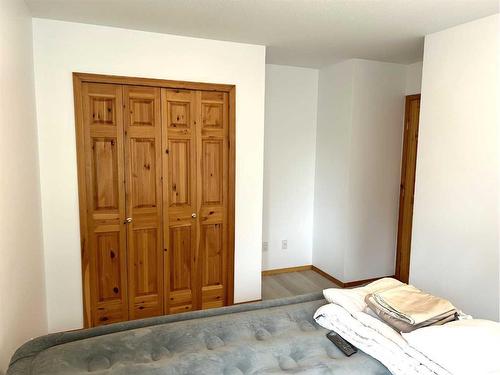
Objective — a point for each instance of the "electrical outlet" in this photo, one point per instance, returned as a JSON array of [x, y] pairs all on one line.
[[265, 246], [284, 244]]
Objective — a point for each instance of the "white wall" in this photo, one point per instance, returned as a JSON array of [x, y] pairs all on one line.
[[413, 78], [61, 48], [22, 291], [358, 161], [375, 168], [455, 244], [331, 187], [289, 153]]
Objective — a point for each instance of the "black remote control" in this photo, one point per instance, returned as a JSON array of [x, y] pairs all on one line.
[[344, 346]]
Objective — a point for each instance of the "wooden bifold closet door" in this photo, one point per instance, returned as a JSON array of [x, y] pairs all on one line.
[[156, 196], [143, 197], [195, 197], [104, 251]]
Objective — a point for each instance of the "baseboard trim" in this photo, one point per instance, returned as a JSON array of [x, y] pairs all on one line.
[[277, 271], [328, 276], [349, 284]]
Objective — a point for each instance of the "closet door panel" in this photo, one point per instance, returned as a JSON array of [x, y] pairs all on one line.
[[181, 262], [179, 194], [213, 197], [212, 263], [106, 276], [143, 200], [179, 173], [212, 171], [105, 171]]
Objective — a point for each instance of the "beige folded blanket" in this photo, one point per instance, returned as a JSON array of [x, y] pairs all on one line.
[[407, 308]]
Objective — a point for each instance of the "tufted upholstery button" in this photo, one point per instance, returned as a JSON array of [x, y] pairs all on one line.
[[305, 326], [160, 353], [287, 363], [262, 334], [233, 371], [214, 342], [333, 352], [297, 354], [98, 363]]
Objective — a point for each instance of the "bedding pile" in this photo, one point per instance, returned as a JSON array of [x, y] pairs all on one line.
[[406, 308], [377, 333]]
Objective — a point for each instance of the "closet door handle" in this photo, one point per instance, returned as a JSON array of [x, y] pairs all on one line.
[[128, 220], [193, 215]]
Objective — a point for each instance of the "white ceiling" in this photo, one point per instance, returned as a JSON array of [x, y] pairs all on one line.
[[297, 32]]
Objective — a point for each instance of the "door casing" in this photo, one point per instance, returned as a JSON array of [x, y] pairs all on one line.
[[407, 187]]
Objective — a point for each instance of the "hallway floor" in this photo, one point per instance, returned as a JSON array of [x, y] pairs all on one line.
[[293, 284]]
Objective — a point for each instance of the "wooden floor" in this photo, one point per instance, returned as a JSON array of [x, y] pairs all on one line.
[[293, 284]]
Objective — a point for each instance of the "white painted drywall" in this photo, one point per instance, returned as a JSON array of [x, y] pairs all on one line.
[[331, 187], [61, 48], [289, 153], [455, 243], [358, 161], [413, 78], [22, 289], [374, 168]]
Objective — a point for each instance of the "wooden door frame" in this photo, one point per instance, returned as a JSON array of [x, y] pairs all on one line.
[[404, 164], [78, 80]]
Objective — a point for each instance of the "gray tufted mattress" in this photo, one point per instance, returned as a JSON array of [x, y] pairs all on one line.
[[278, 336]]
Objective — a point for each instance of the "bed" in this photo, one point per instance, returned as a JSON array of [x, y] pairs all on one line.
[[276, 336]]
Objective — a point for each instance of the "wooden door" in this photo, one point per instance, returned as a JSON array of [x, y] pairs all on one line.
[[196, 163], [408, 166], [104, 256], [156, 193], [212, 197], [179, 195], [142, 119]]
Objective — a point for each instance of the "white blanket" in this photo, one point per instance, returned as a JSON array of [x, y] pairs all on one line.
[[463, 347], [349, 316], [377, 339], [438, 350]]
